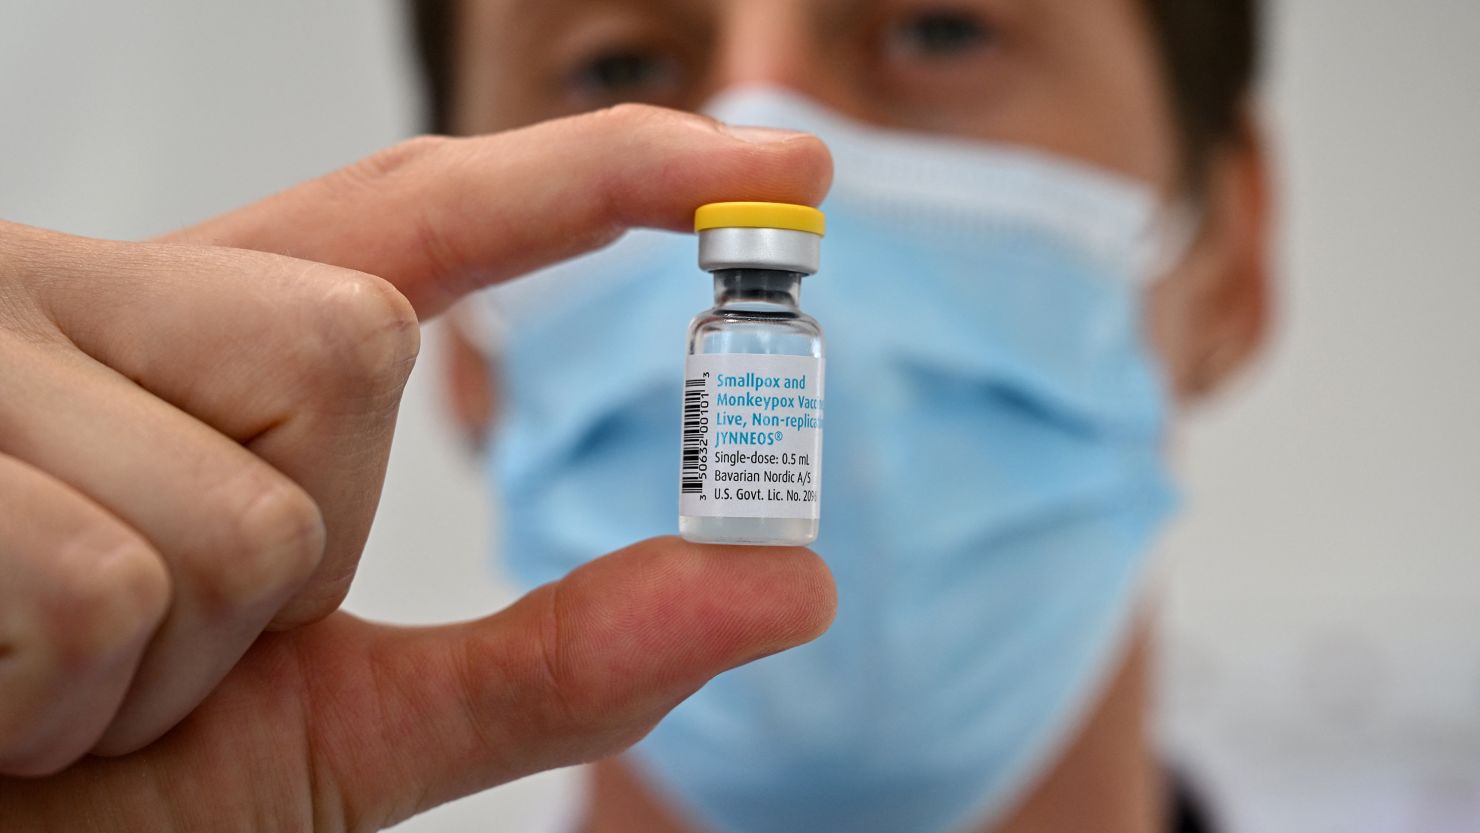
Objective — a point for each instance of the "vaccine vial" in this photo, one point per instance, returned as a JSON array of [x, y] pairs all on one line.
[[752, 396]]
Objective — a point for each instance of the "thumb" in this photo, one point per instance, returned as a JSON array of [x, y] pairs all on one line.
[[439, 217], [574, 671]]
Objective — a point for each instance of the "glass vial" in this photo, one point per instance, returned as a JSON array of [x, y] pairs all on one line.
[[752, 413]]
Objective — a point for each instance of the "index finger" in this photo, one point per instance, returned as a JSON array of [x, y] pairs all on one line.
[[439, 217]]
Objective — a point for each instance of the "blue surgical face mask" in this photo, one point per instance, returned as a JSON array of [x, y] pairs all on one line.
[[993, 477]]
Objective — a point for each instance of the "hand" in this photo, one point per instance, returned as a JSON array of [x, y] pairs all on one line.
[[192, 441], [347, 725]]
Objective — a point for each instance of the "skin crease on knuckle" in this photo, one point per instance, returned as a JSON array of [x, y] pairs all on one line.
[[403, 173], [577, 699], [25, 256], [568, 715], [626, 117], [591, 675], [367, 334], [402, 158], [109, 592], [118, 591], [278, 541]]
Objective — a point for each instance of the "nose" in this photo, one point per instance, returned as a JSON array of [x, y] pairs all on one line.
[[773, 43]]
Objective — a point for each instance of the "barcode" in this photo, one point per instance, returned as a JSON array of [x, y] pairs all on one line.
[[695, 436]]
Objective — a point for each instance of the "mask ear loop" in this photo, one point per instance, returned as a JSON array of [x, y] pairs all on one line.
[[1171, 237], [482, 321]]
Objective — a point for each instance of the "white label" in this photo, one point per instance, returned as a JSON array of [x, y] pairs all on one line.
[[752, 436]]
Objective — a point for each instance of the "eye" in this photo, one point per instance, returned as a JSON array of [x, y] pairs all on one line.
[[625, 74], [938, 34]]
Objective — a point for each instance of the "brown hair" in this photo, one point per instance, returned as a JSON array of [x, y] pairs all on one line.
[[432, 34], [1210, 53], [1209, 50]]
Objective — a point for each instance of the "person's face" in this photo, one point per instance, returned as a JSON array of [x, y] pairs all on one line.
[[1079, 78]]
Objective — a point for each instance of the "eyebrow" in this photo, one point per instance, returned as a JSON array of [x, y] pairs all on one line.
[[536, 21], [828, 17], [555, 9], [546, 10]]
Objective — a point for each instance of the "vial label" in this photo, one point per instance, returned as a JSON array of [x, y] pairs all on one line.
[[752, 436]]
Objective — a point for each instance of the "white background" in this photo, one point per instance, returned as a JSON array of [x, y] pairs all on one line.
[[1322, 606]]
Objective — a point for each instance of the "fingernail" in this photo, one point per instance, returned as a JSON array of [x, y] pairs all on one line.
[[760, 135]]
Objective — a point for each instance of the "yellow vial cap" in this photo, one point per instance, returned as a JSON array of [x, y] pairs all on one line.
[[778, 215]]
